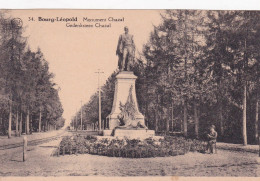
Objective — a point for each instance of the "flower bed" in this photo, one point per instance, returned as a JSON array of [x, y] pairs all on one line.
[[134, 148]]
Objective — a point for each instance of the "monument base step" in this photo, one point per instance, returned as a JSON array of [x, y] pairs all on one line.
[[134, 134], [157, 138], [130, 134]]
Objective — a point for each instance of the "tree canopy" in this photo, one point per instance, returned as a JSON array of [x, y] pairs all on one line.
[[27, 90], [198, 68]]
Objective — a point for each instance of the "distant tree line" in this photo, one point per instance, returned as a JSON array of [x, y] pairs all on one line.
[[198, 68], [29, 99]]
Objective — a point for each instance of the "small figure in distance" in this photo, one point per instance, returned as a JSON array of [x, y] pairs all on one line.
[[125, 51], [212, 139]]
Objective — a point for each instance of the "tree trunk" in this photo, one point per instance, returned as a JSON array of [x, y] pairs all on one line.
[[196, 119], [47, 126], [31, 127], [156, 121], [256, 117], [221, 119], [10, 121], [146, 114], [40, 121], [77, 123], [245, 96], [28, 122], [172, 126], [25, 125], [220, 104], [156, 114], [244, 117], [21, 126], [185, 120], [167, 124], [17, 124], [2, 124], [259, 144]]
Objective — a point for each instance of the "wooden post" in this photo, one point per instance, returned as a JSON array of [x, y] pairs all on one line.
[[24, 148]]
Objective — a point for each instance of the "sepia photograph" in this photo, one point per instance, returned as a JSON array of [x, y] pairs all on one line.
[[129, 93]]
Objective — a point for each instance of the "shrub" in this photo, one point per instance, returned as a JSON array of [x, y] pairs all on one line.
[[129, 148]]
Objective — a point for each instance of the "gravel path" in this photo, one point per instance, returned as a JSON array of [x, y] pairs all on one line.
[[41, 163]]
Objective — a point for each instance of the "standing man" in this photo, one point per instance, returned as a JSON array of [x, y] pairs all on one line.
[[125, 50], [212, 138]]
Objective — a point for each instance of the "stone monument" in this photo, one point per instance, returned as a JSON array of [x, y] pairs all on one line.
[[125, 119]]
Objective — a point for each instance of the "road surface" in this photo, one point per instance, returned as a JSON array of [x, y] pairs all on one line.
[[41, 163]]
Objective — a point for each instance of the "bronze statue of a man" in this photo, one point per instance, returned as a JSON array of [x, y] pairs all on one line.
[[125, 51]]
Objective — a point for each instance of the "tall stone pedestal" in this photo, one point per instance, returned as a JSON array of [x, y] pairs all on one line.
[[124, 81]]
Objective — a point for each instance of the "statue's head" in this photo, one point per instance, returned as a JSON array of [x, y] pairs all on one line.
[[126, 29]]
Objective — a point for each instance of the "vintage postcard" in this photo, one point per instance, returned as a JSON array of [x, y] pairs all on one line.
[[129, 94]]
